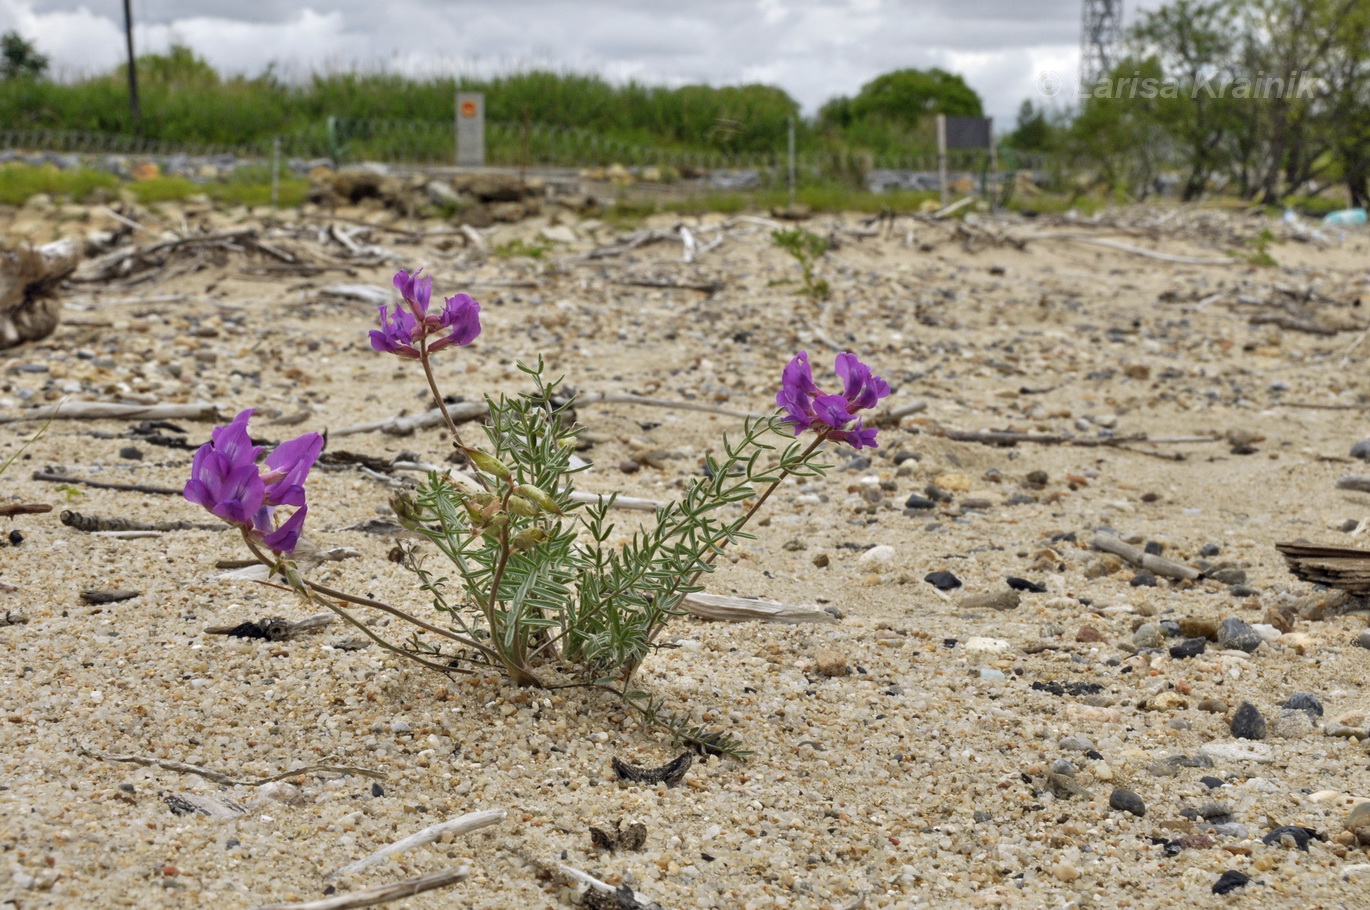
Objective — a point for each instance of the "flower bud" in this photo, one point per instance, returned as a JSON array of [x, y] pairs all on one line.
[[527, 539], [494, 525], [539, 498], [522, 507], [487, 463], [406, 510]]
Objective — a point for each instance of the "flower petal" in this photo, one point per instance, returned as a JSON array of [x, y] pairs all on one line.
[[284, 538]]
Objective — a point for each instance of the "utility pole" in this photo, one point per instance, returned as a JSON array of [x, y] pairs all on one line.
[[132, 70]]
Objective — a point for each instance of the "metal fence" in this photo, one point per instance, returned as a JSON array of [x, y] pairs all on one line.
[[342, 140]]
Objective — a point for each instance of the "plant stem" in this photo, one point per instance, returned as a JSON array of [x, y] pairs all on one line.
[[306, 588], [442, 405], [761, 500]]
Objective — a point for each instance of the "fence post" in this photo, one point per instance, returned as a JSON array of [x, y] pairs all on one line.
[[942, 155], [791, 162], [275, 172]]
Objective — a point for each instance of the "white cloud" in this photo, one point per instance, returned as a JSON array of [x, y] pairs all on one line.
[[814, 49]]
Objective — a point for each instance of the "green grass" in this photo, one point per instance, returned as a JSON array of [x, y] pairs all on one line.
[[249, 186], [1313, 206], [518, 247], [829, 197], [20, 181]]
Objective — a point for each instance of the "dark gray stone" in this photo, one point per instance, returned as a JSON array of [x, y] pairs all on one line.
[[1236, 635], [1300, 836], [1127, 801], [1247, 722], [1190, 647], [1304, 701]]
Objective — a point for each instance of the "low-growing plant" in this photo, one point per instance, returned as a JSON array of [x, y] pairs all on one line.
[[517, 247], [806, 248], [525, 577]]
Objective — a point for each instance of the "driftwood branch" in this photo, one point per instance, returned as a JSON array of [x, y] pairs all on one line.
[[217, 777], [723, 608], [472, 821], [24, 508], [461, 412], [101, 410], [97, 523], [705, 287], [626, 398], [1129, 248], [624, 896], [51, 477], [380, 894], [1157, 565], [1357, 482], [1006, 438]]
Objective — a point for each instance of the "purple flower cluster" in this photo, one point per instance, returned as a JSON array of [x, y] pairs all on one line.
[[408, 322], [224, 478], [831, 416]]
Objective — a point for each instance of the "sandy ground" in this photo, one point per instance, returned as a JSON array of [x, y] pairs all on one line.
[[917, 777]]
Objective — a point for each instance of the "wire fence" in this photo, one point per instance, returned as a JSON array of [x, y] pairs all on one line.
[[343, 140]]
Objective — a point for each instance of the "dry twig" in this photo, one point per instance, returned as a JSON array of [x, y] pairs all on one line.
[[380, 894], [472, 821], [217, 777]]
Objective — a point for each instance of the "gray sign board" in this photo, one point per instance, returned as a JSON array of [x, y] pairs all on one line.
[[969, 132], [470, 129]]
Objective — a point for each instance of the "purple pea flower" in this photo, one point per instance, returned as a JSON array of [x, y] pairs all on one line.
[[224, 479], [833, 417], [404, 325]]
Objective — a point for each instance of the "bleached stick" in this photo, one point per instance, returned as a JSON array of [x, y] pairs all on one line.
[[181, 767], [380, 894], [585, 878], [99, 410], [471, 821], [403, 426], [1157, 565], [723, 608]]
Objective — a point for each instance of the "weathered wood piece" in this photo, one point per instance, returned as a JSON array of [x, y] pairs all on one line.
[[379, 894], [1156, 565], [29, 307]]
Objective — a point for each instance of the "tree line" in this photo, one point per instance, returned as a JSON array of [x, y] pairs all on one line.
[[185, 100], [1264, 99]]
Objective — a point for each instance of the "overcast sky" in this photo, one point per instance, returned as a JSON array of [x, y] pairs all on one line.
[[814, 49]]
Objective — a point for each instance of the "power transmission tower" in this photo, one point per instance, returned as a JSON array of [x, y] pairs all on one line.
[[132, 70], [1101, 27]]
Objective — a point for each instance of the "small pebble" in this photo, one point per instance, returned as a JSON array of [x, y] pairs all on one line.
[[829, 662], [131, 453], [1148, 635], [1236, 635], [1212, 783], [1213, 705], [1075, 744], [1089, 634], [1190, 647], [919, 503], [1361, 450], [1247, 722], [1363, 639], [881, 553], [1298, 836], [628, 466], [943, 581], [1230, 880], [1143, 580], [1127, 801], [1001, 601], [1022, 584], [1228, 575]]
